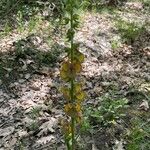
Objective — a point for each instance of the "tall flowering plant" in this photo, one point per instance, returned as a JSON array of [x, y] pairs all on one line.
[[70, 68]]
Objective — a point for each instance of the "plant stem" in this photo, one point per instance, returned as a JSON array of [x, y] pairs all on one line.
[[72, 80], [73, 132]]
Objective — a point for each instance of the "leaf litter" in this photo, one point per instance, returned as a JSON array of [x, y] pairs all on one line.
[[35, 85]]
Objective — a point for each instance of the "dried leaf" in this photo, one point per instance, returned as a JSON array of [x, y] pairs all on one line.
[[45, 140], [6, 131], [48, 127], [144, 105]]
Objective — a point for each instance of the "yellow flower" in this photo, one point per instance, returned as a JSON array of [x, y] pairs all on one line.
[[66, 92], [79, 56], [69, 70], [79, 94], [66, 126], [73, 110]]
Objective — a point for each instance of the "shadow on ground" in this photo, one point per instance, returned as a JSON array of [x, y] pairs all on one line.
[[29, 94], [29, 97], [27, 59]]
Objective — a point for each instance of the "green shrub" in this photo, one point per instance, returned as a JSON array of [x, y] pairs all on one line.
[[107, 112], [128, 31]]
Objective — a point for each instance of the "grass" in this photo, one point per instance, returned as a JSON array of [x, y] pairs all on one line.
[[138, 133], [104, 9], [115, 44], [129, 31], [6, 29], [107, 112], [110, 112], [33, 126], [35, 112]]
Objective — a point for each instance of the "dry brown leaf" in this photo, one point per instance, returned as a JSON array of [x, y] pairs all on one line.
[[144, 105], [48, 127], [6, 131], [44, 140]]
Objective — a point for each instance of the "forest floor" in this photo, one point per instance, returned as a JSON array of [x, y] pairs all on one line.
[[116, 44]]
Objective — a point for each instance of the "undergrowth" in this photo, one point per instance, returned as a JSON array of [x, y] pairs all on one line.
[[107, 112], [129, 31]]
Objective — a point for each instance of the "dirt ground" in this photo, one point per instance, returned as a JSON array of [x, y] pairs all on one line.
[[30, 101]]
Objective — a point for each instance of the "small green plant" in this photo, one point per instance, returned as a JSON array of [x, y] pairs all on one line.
[[137, 136], [49, 57], [146, 3], [129, 31], [20, 22], [35, 112], [115, 44], [21, 144], [6, 30], [108, 112], [20, 50], [85, 126], [33, 126], [33, 23]]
